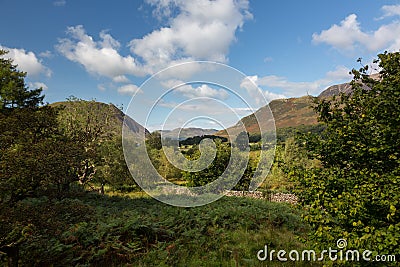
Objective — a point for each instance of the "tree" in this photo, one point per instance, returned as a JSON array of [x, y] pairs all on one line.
[[113, 169], [88, 124], [29, 137], [154, 140], [356, 194], [220, 164], [35, 158], [242, 141], [13, 91]]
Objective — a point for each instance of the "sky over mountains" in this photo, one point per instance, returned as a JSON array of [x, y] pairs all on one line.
[[106, 50]]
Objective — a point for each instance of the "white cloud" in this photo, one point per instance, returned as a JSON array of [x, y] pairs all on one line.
[[343, 36], [129, 89], [101, 87], [390, 11], [271, 96], [97, 57], [193, 30], [201, 30], [121, 79], [27, 61], [35, 85], [268, 59], [349, 36], [169, 84], [46, 54], [291, 89], [251, 84], [340, 73], [202, 91], [60, 3], [191, 91]]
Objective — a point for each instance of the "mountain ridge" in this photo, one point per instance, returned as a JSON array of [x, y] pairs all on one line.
[[288, 112]]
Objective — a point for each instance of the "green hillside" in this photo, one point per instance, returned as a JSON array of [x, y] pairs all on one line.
[[98, 110], [290, 112]]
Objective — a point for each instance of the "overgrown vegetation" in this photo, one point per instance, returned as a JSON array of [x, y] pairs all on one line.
[[109, 231], [355, 192], [345, 172]]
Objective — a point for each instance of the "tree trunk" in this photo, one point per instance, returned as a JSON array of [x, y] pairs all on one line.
[[12, 255], [102, 189]]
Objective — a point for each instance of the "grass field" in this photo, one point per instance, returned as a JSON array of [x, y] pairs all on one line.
[[140, 231]]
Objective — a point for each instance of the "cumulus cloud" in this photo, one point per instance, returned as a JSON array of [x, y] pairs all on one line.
[[251, 84], [390, 11], [46, 54], [97, 57], [191, 91], [291, 89], [38, 85], [129, 89], [343, 36], [202, 91], [27, 61], [348, 35], [121, 79], [193, 30], [201, 30]]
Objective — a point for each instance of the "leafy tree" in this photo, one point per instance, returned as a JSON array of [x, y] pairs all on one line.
[[113, 169], [154, 140], [88, 124], [356, 193], [195, 140], [242, 141], [13, 91], [218, 167], [255, 138], [35, 158]]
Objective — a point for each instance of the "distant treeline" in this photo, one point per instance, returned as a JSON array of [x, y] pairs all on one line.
[[197, 139], [282, 134]]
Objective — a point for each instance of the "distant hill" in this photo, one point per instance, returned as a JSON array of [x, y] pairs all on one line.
[[185, 133], [117, 119], [291, 112], [335, 90]]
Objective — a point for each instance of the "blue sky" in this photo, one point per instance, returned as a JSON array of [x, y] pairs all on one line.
[[106, 50]]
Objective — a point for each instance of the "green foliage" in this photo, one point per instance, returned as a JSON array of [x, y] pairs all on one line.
[[218, 167], [356, 193], [289, 156], [36, 225], [153, 140], [29, 138], [242, 141], [197, 139], [282, 134], [163, 166], [112, 169], [254, 138], [35, 158], [88, 124], [13, 91], [96, 230]]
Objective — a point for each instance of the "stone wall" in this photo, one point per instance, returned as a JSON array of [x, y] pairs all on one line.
[[277, 197]]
